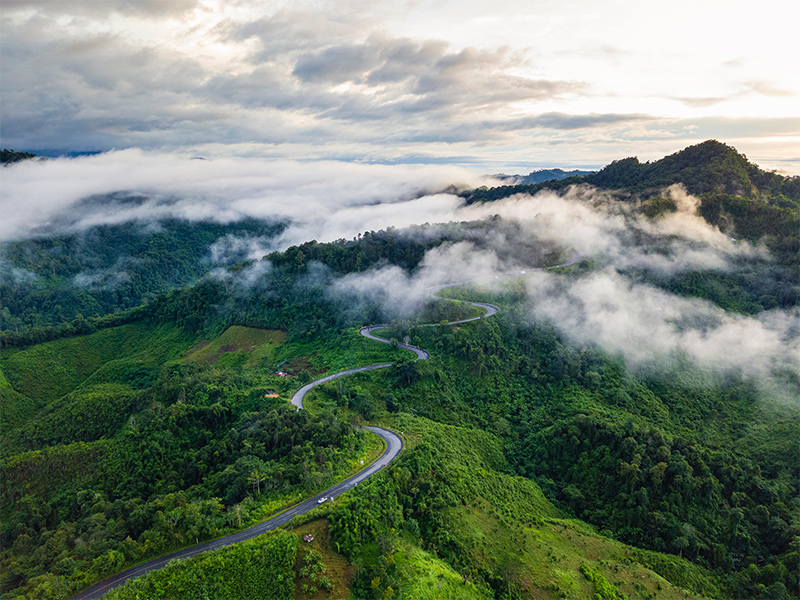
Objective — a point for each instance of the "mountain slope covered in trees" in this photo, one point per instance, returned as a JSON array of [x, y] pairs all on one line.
[[537, 464]]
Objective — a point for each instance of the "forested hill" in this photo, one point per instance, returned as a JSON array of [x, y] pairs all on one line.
[[9, 156], [540, 176], [737, 196], [531, 457], [708, 168], [52, 280]]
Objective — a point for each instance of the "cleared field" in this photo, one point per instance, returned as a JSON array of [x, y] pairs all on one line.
[[250, 346]]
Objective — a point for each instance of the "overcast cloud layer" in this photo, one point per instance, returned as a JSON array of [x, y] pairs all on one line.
[[506, 85]]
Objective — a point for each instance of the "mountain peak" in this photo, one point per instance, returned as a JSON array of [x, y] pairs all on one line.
[[708, 167]]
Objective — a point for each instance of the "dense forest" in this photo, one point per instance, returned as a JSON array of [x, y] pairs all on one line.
[[535, 466], [735, 194], [9, 156], [53, 280]]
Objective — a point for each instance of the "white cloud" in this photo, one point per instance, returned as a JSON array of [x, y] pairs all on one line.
[[522, 84], [323, 199], [649, 326]]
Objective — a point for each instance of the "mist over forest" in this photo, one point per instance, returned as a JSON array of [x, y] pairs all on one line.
[[255, 207], [648, 333]]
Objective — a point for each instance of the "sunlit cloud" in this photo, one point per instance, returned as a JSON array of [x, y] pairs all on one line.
[[383, 83]]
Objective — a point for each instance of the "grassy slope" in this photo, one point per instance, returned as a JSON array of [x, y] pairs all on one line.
[[57, 444], [513, 529], [258, 344], [52, 385], [508, 523], [259, 568], [45, 372]]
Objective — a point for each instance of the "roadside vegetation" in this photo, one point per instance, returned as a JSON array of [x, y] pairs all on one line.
[[533, 468]]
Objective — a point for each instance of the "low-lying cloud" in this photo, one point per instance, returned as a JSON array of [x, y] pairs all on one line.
[[329, 200], [647, 325], [332, 200], [68, 195], [653, 330], [232, 249]]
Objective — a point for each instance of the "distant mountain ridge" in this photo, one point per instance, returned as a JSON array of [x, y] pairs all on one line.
[[540, 176]]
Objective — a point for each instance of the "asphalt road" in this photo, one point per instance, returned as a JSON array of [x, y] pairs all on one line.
[[394, 445]]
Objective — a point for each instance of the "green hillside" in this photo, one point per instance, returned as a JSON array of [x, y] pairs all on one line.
[[447, 522], [535, 466], [259, 568]]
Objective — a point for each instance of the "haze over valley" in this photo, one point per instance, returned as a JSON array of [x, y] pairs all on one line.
[[418, 300]]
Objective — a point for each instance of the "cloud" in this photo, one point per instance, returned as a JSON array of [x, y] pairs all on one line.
[[326, 198], [766, 88], [11, 275], [232, 249], [649, 326], [367, 81], [402, 294], [141, 8], [102, 279], [763, 88], [654, 330], [332, 200], [309, 83], [245, 281], [329, 200]]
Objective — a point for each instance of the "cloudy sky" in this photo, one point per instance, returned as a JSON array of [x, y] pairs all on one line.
[[506, 85]]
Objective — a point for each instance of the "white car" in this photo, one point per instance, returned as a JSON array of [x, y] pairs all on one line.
[[321, 500]]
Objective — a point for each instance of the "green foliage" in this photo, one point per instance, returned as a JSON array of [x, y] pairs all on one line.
[[84, 415], [445, 520], [603, 589], [182, 452], [259, 568], [9, 156], [70, 362], [707, 168], [259, 344], [776, 223], [755, 286], [190, 446], [110, 267], [657, 206]]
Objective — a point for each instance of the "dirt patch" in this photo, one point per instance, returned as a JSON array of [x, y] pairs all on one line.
[[302, 364], [337, 569], [198, 346]]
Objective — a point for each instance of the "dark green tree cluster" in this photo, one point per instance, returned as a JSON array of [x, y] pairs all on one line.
[[658, 463], [259, 568], [9, 156], [189, 461], [55, 280]]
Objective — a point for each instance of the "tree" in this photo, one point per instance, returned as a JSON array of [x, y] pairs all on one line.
[[255, 479]]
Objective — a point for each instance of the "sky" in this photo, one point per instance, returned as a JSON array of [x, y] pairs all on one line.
[[500, 86]]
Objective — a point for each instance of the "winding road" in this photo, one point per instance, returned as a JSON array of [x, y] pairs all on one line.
[[394, 445]]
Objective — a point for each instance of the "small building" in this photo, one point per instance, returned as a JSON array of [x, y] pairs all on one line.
[[308, 538]]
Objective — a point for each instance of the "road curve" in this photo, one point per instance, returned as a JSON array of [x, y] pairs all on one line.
[[394, 445]]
